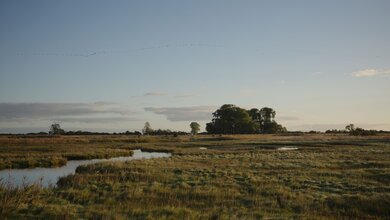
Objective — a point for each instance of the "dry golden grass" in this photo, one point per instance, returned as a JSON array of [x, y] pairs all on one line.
[[237, 177]]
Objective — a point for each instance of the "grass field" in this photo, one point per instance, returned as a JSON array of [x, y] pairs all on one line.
[[237, 177]]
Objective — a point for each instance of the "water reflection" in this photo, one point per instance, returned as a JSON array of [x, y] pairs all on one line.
[[50, 176]]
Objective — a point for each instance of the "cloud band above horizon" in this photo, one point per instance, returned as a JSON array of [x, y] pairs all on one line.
[[96, 112], [193, 113]]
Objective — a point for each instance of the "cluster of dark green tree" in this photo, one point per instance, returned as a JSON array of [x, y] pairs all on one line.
[[231, 119]]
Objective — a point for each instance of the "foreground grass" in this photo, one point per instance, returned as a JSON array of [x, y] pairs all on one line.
[[238, 177]]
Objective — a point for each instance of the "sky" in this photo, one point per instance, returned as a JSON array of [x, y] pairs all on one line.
[[113, 65]]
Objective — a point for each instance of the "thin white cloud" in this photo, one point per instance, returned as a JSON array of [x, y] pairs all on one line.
[[53, 111], [150, 94], [287, 118], [98, 120], [318, 73], [185, 96], [370, 73], [155, 94], [200, 113]]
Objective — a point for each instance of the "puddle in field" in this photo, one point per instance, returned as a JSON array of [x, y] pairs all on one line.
[[287, 148], [50, 176]]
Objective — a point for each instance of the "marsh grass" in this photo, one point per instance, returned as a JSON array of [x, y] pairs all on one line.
[[233, 179], [13, 199], [29, 151]]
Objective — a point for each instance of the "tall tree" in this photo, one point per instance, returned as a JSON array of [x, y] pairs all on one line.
[[56, 129], [147, 128], [254, 113], [350, 127], [267, 115], [267, 121], [195, 128]]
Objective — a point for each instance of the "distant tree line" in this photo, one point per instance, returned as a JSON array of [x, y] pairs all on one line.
[[359, 131], [55, 129], [231, 119], [102, 133], [355, 131], [336, 131], [148, 130], [228, 119]]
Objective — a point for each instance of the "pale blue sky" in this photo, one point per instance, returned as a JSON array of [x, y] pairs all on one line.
[[112, 65]]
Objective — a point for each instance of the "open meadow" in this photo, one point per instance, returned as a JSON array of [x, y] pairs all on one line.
[[207, 177]]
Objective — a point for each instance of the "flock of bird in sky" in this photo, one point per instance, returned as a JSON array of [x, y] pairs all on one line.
[[105, 52]]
